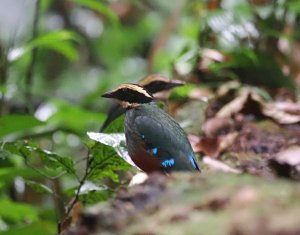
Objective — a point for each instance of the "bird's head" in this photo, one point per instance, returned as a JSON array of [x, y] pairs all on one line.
[[156, 83], [130, 95]]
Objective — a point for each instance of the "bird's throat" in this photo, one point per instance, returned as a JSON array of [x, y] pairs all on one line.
[[127, 105]]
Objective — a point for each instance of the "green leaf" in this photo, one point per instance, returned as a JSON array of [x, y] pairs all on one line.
[[60, 35], [74, 117], [105, 163], [181, 93], [122, 51], [95, 196], [13, 123], [116, 126], [110, 154], [45, 4], [38, 187], [99, 7], [251, 67], [71, 192], [61, 41], [64, 48], [50, 160], [11, 147], [16, 211], [115, 140], [38, 228], [293, 6], [90, 193]]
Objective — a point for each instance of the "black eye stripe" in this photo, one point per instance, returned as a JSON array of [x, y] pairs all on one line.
[[155, 86], [132, 96]]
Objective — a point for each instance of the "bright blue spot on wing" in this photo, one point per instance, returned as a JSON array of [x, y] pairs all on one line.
[[168, 163], [192, 160], [143, 137], [154, 151]]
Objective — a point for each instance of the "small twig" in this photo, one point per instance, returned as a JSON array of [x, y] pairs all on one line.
[[58, 202], [30, 68], [81, 183]]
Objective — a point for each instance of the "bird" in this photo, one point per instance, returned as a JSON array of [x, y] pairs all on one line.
[[155, 142], [156, 84]]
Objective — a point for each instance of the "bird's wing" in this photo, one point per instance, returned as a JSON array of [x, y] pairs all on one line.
[[166, 142], [114, 112]]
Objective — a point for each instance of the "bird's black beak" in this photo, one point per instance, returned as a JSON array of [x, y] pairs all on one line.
[[174, 83], [108, 94]]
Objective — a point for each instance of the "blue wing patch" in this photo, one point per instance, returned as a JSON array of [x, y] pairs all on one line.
[[192, 160], [154, 151], [168, 163]]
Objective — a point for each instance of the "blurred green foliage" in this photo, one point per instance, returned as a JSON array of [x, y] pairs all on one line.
[[85, 47]]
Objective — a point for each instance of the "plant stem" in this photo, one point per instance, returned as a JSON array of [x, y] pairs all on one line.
[[3, 78], [57, 197], [86, 174], [30, 68]]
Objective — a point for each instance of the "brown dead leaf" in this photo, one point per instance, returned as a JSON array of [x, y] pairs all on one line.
[[287, 162], [289, 156], [282, 112], [218, 126], [235, 106], [227, 140], [219, 166], [227, 87], [194, 140], [288, 107], [208, 57], [208, 146], [213, 54], [248, 101], [212, 146]]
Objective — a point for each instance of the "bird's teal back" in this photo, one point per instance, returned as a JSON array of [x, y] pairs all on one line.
[[156, 142]]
